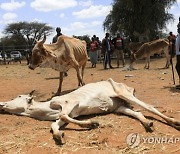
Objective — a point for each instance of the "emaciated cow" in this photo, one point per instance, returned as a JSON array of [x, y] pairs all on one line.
[[150, 48], [66, 53], [94, 98]]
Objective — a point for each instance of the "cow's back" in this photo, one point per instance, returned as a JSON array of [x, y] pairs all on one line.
[[150, 48], [67, 48]]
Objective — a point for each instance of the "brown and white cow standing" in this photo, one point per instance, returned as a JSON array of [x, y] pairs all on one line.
[[94, 98], [150, 48], [66, 53]]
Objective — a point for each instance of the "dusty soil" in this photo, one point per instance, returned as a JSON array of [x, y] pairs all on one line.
[[20, 134]]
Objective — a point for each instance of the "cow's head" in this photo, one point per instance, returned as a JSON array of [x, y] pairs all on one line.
[[17, 105], [39, 54]]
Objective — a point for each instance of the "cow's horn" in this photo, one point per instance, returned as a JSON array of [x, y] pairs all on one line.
[[31, 93], [44, 39]]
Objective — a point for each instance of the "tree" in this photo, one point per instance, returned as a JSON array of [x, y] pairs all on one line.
[[84, 37], [135, 17], [25, 34]]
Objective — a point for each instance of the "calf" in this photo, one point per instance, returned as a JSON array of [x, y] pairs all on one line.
[[94, 98], [150, 48]]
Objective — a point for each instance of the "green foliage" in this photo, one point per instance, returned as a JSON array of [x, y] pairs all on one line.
[[22, 35], [84, 37], [129, 16]]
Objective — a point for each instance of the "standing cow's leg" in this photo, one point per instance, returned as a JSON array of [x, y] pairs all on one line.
[[122, 57], [168, 57], [82, 72], [147, 62], [76, 67], [80, 82], [126, 93], [127, 111], [60, 83]]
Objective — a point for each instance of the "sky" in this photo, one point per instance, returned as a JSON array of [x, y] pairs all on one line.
[[75, 17]]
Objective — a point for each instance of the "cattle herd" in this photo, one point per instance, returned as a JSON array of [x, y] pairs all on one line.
[[89, 99]]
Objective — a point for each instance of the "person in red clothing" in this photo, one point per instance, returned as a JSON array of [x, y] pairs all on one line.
[[93, 52], [118, 43]]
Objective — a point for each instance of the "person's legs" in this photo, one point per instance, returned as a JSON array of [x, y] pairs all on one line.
[[105, 60], [118, 57], [122, 57], [109, 58]]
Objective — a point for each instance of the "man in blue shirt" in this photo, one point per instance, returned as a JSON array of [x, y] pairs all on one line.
[[106, 46]]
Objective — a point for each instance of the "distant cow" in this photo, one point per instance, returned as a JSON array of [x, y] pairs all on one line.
[[94, 98], [150, 48], [66, 53]]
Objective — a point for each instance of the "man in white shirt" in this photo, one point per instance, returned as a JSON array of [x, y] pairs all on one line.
[[178, 56]]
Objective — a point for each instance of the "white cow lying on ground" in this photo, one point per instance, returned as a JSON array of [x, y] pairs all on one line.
[[94, 98], [150, 48]]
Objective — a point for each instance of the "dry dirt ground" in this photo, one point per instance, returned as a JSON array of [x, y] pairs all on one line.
[[24, 135]]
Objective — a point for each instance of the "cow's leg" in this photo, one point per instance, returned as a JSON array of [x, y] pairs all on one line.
[[147, 62], [57, 135], [82, 71], [122, 57], [134, 100], [84, 123], [60, 83], [118, 57], [76, 67], [126, 93], [80, 82], [64, 119], [168, 57], [138, 115]]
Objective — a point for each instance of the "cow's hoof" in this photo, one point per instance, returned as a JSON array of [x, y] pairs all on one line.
[[56, 94], [94, 124], [148, 126], [59, 138]]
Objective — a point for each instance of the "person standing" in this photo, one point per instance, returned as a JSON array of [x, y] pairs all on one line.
[[118, 43], [54, 40], [99, 50], [93, 52], [58, 31], [172, 41], [106, 47], [178, 56]]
